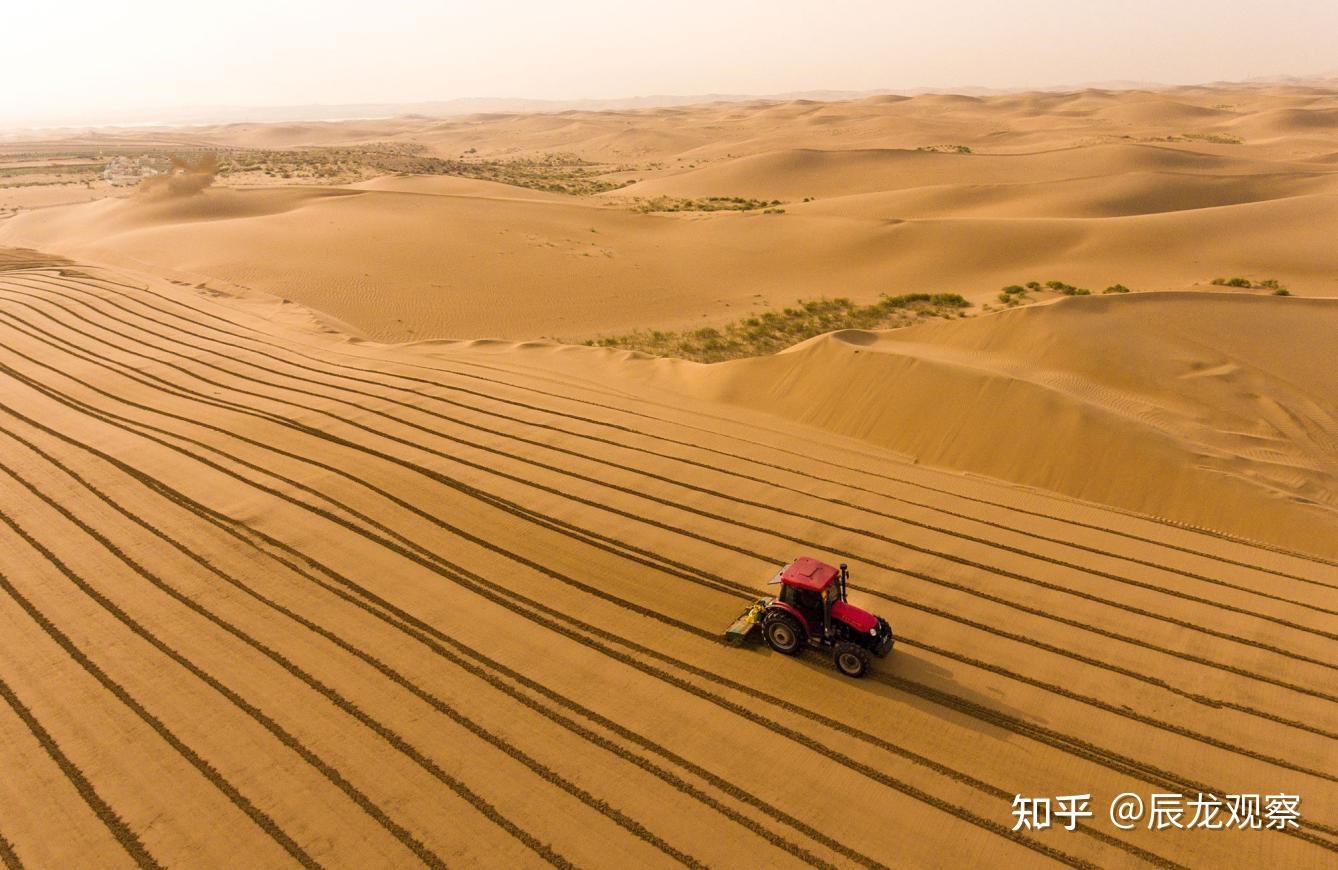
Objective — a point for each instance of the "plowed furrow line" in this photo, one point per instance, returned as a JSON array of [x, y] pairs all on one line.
[[127, 838], [487, 590], [742, 591], [673, 481], [706, 634], [101, 284], [542, 771], [670, 457], [391, 737], [1055, 587], [479, 585], [401, 834]]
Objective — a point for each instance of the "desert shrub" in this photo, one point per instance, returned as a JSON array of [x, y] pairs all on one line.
[[1033, 285], [1011, 289], [1116, 288], [1060, 286], [1232, 282], [772, 331], [1282, 291], [1215, 138]]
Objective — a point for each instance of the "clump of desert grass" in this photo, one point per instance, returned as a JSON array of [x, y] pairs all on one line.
[[774, 331], [705, 203], [1270, 284], [1014, 295]]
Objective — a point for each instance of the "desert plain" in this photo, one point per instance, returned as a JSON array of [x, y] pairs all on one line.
[[375, 493]]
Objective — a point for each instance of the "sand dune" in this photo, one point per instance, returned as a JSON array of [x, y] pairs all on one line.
[[314, 552], [459, 602], [1076, 187], [1076, 398]]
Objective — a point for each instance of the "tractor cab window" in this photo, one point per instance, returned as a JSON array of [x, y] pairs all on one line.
[[808, 602]]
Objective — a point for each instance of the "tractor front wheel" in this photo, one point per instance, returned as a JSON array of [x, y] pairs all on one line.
[[784, 633], [851, 659]]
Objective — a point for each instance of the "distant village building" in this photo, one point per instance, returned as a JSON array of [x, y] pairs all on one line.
[[123, 171]]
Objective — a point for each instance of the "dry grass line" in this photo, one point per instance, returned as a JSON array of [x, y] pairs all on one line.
[[984, 542], [705, 634], [727, 472], [246, 537], [496, 588], [106, 285], [487, 590], [284, 737], [762, 557], [630, 825], [1097, 703], [388, 735], [1056, 587], [8, 857], [128, 839], [1119, 766]]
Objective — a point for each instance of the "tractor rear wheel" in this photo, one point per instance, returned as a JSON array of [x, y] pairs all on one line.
[[784, 633], [851, 659]]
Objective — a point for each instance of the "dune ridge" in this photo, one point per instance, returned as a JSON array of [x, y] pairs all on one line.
[[933, 193]]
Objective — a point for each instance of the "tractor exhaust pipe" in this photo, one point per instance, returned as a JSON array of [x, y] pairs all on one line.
[[845, 576]]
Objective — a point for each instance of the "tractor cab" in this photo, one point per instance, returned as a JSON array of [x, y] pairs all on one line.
[[812, 587], [811, 610]]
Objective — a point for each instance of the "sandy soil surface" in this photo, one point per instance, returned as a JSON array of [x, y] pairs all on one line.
[[1079, 187], [279, 588], [273, 596]]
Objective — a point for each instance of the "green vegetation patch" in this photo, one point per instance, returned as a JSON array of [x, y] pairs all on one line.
[[1266, 284], [705, 203], [774, 331], [946, 149]]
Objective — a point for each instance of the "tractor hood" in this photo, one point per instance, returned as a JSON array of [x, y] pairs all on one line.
[[860, 620]]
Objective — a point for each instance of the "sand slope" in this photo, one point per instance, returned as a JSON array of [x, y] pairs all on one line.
[[1153, 190], [268, 596], [1217, 410]]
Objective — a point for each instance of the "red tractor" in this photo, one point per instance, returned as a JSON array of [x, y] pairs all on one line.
[[812, 610]]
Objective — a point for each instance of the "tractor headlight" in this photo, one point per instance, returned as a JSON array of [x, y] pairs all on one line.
[[874, 631]]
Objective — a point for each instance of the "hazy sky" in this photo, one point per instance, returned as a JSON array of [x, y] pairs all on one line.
[[77, 59]]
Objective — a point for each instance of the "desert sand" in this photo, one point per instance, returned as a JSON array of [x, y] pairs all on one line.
[[324, 541]]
